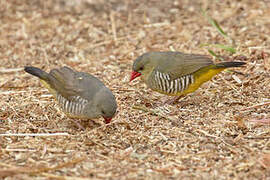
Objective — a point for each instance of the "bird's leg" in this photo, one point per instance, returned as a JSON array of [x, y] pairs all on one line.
[[173, 100], [78, 124]]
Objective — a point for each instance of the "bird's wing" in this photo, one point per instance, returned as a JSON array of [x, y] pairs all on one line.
[[70, 83], [178, 64], [64, 81]]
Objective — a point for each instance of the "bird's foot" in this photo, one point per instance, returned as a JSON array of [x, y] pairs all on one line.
[[78, 125]]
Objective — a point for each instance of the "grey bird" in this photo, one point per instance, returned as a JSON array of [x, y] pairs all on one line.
[[79, 94]]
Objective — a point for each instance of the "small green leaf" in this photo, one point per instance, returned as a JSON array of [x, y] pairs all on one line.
[[214, 23], [212, 53], [227, 48], [205, 45], [221, 46]]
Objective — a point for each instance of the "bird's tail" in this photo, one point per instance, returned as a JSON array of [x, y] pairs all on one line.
[[230, 64], [37, 72]]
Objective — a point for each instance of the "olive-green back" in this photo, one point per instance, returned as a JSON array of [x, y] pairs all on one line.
[[72, 83], [178, 64]]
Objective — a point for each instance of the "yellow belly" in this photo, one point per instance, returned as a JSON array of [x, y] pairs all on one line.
[[200, 77]]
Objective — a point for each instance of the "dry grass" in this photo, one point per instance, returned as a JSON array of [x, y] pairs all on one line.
[[214, 133]]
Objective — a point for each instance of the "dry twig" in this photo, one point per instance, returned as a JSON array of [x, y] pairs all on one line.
[[256, 106], [154, 112], [40, 135]]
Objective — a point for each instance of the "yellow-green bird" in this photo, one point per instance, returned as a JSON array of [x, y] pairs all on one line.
[[176, 73], [79, 94]]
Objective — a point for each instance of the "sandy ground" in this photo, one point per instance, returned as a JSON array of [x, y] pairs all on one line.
[[221, 131]]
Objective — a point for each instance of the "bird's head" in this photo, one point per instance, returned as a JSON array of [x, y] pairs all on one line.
[[106, 104], [144, 65]]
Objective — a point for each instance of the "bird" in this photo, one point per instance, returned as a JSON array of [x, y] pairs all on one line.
[[79, 94], [176, 73]]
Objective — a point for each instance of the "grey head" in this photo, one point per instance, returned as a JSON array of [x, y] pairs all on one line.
[[146, 61], [103, 104]]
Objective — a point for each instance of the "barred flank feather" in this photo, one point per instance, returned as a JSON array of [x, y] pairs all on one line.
[[163, 83], [74, 106]]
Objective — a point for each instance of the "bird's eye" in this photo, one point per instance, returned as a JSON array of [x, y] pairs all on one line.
[[102, 112], [141, 68]]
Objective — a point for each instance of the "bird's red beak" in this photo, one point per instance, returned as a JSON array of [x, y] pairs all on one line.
[[107, 120], [134, 74]]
